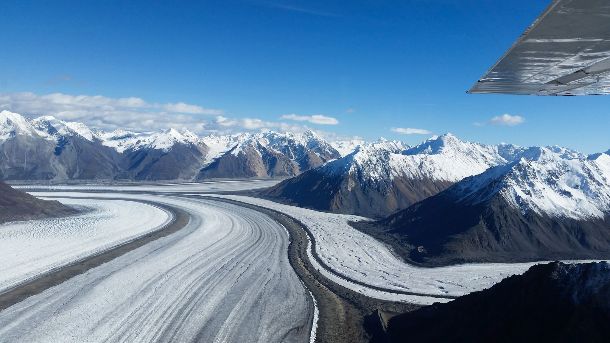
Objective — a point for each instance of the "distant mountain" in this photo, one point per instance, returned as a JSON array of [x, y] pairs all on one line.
[[346, 147], [555, 302], [550, 203], [380, 178], [46, 148], [166, 155], [270, 154], [17, 205]]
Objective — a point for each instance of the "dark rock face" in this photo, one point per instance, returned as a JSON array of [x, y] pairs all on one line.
[[346, 194], [81, 159], [16, 205], [182, 162], [554, 302], [439, 230], [501, 216], [252, 160], [24, 158]]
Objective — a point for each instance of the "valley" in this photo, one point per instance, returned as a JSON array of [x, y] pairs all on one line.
[[226, 243], [167, 236], [303, 171]]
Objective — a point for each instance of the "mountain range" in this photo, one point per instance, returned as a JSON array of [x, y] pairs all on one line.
[[440, 202], [447, 201], [550, 203], [379, 178], [46, 148]]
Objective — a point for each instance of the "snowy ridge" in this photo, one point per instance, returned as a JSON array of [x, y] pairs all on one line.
[[146, 155], [448, 158], [123, 141], [12, 124], [297, 147], [56, 128], [552, 181], [219, 145], [346, 147], [444, 158], [293, 145]]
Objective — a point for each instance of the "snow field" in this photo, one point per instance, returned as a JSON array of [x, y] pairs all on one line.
[[357, 256], [225, 277], [30, 248]]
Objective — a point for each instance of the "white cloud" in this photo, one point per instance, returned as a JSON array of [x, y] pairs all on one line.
[[507, 120], [245, 123], [136, 114], [181, 107], [314, 119], [251, 124], [410, 131], [107, 113]]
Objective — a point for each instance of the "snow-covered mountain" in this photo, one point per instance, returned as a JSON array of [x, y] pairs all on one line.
[[268, 154], [48, 148], [547, 181], [346, 147], [122, 140], [55, 128], [548, 203], [382, 177]]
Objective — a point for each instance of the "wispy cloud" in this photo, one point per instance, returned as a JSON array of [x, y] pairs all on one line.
[[107, 113], [298, 9], [181, 107], [318, 119], [224, 124], [410, 131], [137, 114]]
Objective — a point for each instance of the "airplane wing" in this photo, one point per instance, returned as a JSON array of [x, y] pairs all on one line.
[[566, 51]]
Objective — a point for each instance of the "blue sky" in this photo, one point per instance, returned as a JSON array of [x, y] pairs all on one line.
[[371, 65]]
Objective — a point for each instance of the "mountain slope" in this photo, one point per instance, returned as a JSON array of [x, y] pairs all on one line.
[[380, 178], [16, 205], [166, 155], [549, 303], [47, 148], [549, 204]]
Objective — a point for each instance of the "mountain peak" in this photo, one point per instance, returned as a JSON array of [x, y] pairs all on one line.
[[8, 115], [53, 126], [46, 118], [548, 181], [448, 136], [436, 145], [310, 134], [14, 123]]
